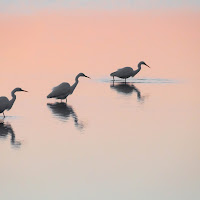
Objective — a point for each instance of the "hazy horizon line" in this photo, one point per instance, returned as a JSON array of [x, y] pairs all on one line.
[[66, 11]]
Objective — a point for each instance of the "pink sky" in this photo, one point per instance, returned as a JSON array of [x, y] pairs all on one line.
[[97, 43]]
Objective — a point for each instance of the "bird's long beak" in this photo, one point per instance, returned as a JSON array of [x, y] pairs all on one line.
[[87, 77], [148, 66], [24, 91]]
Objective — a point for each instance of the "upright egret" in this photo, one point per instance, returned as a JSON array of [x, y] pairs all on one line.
[[127, 72], [64, 89], [5, 104]]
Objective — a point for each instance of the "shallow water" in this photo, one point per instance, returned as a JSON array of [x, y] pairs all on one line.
[[138, 140]]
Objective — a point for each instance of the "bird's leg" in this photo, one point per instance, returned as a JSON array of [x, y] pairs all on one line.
[[3, 115], [66, 100], [113, 78], [125, 80]]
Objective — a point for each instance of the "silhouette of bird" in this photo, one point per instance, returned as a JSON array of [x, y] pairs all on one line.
[[127, 72], [64, 89], [5, 104]]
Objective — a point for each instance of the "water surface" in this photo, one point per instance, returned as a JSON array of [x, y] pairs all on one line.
[[138, 140]]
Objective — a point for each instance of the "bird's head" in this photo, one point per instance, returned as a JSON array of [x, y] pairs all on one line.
[[82, 74], [19, 90], [143, 63]]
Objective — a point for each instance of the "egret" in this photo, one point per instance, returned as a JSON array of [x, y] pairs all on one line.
[[64, 89], [5, 104], [127, 72]]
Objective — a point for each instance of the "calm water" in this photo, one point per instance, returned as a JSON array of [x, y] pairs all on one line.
[[111, 141]]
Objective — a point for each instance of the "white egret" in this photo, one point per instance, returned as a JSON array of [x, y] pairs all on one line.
[[127, 72], [63, 90], [5, 104]]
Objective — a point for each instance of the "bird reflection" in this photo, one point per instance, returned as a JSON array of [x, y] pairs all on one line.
[[64, 112], [127, 89], [5, 129]]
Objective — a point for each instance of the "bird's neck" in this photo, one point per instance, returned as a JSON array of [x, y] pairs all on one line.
[[75, 84], [138, 69], [13, 94], [11, 102]]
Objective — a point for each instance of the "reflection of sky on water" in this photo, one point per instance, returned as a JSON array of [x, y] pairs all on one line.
[[125, 150], [140, 80]]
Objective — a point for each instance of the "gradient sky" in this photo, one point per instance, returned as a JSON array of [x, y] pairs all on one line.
[[98, 37], [26, 6]]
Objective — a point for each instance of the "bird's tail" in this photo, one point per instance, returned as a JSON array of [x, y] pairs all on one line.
[[112, 74], [49, 96]]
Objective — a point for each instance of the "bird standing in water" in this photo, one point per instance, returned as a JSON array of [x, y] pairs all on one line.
[[127, 72], [5, 104], [63, 90]]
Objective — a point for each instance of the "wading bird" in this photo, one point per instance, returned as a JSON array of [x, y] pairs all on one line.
[[127, 72], [5, 104], [64, 89]]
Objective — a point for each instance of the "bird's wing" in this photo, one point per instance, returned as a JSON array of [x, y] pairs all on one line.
[[122, 71], [4, 103], [125, 69], [63, 85], [59, 90]]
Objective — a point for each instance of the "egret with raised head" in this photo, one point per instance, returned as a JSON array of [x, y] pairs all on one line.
[[127, 72], [63, 90], [5, 104]]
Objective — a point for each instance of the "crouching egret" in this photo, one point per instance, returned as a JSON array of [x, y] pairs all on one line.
[[127, 72], [5, 104], [64, 89]]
